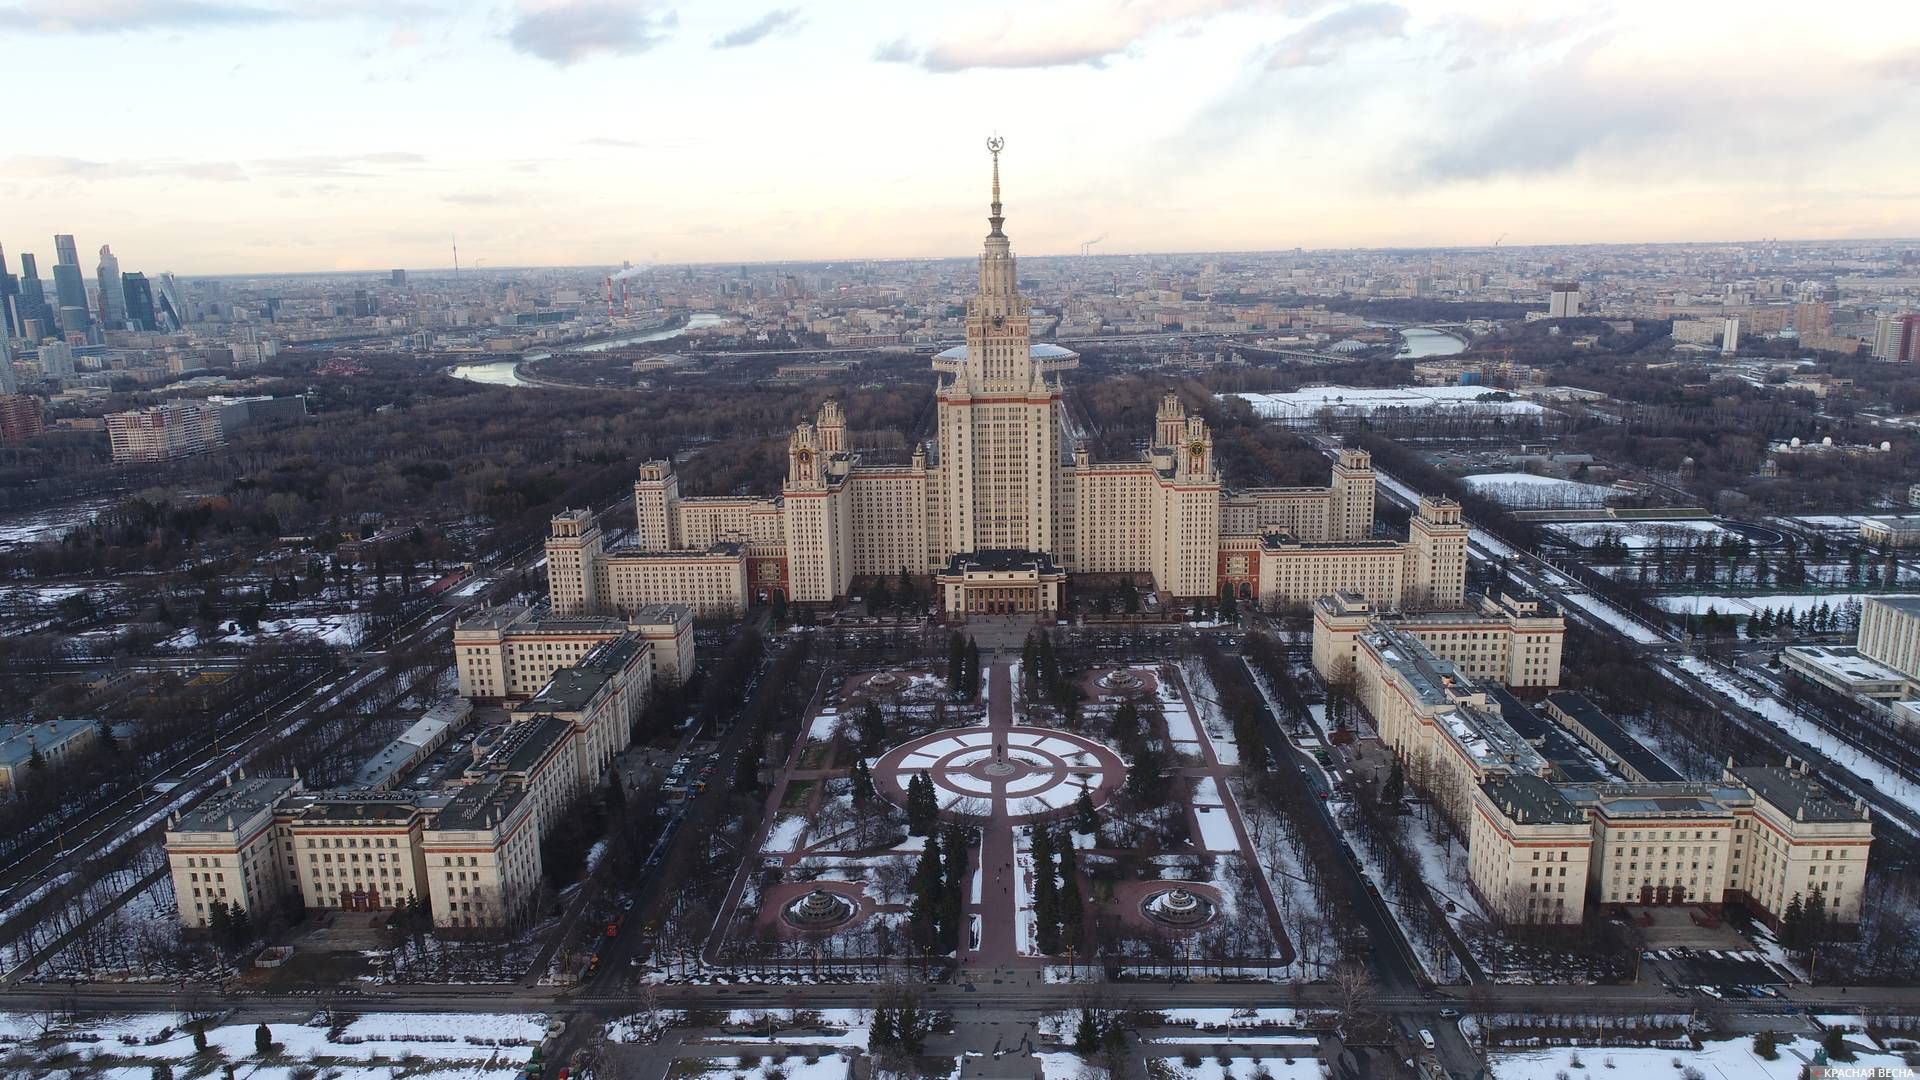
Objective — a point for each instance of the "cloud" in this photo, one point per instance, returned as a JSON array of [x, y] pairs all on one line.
[[1321, 41], [779, 20], [1595, 110], [570, 31], [1084, 32], [336, 166], [82, 169], [116, 16], [134, 16], [897, 51]]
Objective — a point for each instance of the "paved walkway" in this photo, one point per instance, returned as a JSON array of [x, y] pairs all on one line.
[[997, 909]]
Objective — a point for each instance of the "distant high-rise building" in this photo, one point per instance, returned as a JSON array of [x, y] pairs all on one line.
[[165, 432], [1906, 343], [138, 293], [169, 306], [1563, 300], [113, 301], [33, 298], [398, 279], [22, 416], [9, 288], [70, 287], [1730, 335], [1812, 318], [364, 305], [56, 360], [9, 383]]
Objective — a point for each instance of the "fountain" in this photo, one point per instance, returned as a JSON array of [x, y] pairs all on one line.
[[820, 909], [1178, 908], [1120, 680]]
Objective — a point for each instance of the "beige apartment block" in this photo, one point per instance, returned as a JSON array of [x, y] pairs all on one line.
[[1542, 848], [1506, 638], [464, 838], [1890, 632], [510, 652]]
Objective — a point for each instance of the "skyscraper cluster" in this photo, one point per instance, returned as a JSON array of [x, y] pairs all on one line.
[[118, 301]]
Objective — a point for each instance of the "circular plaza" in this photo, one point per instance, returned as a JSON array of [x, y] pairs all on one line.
[[1022, 773]]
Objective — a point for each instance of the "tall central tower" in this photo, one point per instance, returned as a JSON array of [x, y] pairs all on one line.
[[1000, 441]]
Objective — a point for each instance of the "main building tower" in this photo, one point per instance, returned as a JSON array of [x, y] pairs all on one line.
[[1000, 416]]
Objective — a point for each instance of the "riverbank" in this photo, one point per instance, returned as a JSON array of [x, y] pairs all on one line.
[[511, 372]]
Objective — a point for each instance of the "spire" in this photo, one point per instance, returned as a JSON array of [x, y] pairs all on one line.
[[995, 218]]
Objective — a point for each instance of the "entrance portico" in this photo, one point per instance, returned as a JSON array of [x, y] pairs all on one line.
[[1000, 582]]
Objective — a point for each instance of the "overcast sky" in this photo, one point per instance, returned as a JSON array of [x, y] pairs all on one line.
[[242, 135]]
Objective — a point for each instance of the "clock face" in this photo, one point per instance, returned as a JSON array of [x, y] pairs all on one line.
[[806, 458]]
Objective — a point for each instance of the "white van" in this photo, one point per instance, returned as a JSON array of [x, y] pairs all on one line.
[[1426, 1038]]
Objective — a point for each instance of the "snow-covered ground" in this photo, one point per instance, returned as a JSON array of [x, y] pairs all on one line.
[[1885, 780], [1730, 1060], [47, 526], [1699, 603], [1530, 492], [1641, 534], [441, 1046], [1599, 610], [1365, 401]]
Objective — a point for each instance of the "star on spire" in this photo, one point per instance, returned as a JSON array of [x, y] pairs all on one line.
[[994, 146]]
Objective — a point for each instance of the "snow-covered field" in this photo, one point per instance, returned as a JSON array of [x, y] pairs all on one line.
[[1527, 491], [1365, 401], [46, 526], [1699, 603], [1730, 1060], [1640, 534], [441, 1046]]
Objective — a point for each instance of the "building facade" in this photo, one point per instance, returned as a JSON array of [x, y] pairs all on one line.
[[1008, 482], [463, 836], [1543, 847], [509, 653], [1507, 638], [165, 432]]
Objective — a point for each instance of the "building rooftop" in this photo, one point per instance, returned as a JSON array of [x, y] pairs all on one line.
[[18, 741], [523, 745], [1845, 662], [719, 550], [1621, 745], [1684, 799], [1909, 605], [1798, 794], [1570, 760], [413, 743], [999, 560], [1276, 539], [235, 803], [361, 807], [572, 688], [478, 806], [1529, 800]]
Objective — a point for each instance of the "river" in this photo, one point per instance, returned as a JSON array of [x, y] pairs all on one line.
[[1421, 341], [503, 373]]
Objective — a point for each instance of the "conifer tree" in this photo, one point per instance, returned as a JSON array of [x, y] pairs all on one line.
[[862, 782]]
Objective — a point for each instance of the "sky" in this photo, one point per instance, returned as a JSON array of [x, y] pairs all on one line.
[[236, 136]]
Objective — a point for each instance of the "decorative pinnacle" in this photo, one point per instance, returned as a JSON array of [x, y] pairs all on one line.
[[994, 145]]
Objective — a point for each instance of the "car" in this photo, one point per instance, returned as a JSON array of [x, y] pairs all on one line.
[[1449, 1014], [1426, 1038]]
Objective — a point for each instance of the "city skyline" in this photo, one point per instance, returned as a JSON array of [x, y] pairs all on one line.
[[373, 136]]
